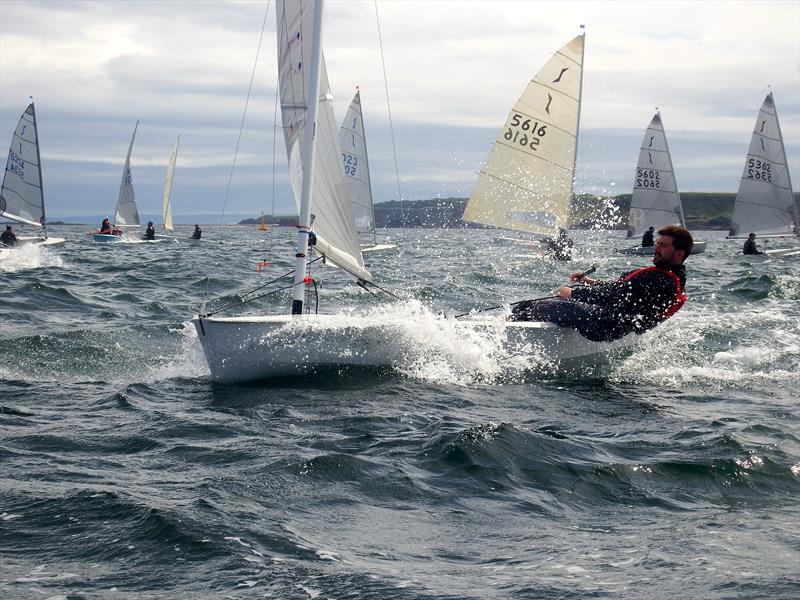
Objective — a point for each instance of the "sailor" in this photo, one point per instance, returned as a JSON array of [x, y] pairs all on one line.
[[647, 238], [105, 226], [150, 232], [197, 232], [8, 238], [750, 245], [636, 302], [561, 247]]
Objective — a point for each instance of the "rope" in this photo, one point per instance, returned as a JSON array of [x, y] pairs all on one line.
[[244, 114], [391, 126]]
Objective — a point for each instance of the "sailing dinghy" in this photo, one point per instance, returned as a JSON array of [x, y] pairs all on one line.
[[126, 213], [353, 142], [166, 207], [655, 201], [765, 202], [22, 192]]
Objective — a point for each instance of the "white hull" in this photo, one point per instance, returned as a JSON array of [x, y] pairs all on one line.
[[241, 349], [40, 241], [699, 248], [377, 248]]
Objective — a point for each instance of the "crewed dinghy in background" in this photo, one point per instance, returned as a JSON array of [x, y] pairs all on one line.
[[126, 214], [656, 201]]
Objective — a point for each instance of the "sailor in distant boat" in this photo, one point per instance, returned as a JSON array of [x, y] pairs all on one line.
[[636, 302], [198, 233], [150, 232], [8, 238], [560, 247], [105, 227], [750, 245], [647, 238]]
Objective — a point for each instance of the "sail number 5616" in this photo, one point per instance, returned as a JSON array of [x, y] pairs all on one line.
[[525, 132]]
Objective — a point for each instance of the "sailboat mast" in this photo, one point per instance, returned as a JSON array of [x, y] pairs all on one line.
[[786, 162], [672, 169], [312, 109], [39, 163], [578, 130]]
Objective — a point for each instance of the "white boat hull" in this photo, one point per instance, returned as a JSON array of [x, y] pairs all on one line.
[[242, 349], [699, 248], [40, 241]]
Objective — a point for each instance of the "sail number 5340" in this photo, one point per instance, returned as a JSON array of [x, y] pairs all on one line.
[[525, 132], [759, 169]]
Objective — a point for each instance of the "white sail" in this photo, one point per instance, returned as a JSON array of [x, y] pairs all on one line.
[[21, 196], [353, 142], [127, 214], [526, 183], [765, 203], [655, 202], [166, 208], [333, 222]]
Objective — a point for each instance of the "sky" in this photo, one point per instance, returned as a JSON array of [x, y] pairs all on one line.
[[453, 71]]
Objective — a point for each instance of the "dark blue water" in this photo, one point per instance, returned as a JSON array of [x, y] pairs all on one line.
[[673, 472]]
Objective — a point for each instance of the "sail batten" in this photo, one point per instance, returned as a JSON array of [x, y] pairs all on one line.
[[527, 180], [765, 202], [332, 211], [22, 194]]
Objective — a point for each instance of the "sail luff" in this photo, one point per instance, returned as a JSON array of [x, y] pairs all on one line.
[[369, 175], [672, 170], [166, 207], [43, 220], [793, 205], [21, 193], [578, 128]]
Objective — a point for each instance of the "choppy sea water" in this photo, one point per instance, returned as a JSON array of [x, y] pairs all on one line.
[[673, 472]]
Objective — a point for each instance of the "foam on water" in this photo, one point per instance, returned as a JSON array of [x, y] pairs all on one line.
[[29, 256]]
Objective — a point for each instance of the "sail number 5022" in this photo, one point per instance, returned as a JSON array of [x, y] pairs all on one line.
[[525, 132], [759, 169], [350, 163]]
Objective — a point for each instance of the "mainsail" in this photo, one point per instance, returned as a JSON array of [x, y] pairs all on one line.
[[333, 220], [166, 208], [22, 196], [127, 214], [655, 201], [526, 183], [765, 203], [356, 165]]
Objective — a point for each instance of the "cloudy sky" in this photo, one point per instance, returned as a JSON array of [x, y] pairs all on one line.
[[454, 71]]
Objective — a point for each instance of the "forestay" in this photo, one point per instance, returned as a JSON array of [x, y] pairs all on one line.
[[166, 207], [765, 202], [352, 140], [21, 196], [526, 183], [127, 214], [656, 201], [333, 220]]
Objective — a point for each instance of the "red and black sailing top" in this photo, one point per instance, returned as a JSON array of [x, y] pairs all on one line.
[[638, 300]]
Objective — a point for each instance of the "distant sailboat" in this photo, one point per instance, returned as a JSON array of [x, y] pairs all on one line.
[[353, 141], [655, 201], [166, 206], [126, 214], [22, 192], [765, 202], [527, 181]]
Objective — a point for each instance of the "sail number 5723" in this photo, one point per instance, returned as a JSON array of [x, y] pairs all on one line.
[[525, 132]]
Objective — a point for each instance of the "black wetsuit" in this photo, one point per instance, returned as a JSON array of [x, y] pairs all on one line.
[[608, 311], [750, 247], [647, 239], [197, 233], [8, 238], [150, 233]]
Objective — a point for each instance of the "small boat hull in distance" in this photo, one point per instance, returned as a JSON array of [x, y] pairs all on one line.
[[40, 241], [106, 238], [242, 349], [699, 248]]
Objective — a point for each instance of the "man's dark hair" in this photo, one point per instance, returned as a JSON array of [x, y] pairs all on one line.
[[681, 238]]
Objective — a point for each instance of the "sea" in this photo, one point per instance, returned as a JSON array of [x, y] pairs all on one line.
[[670, 471]]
